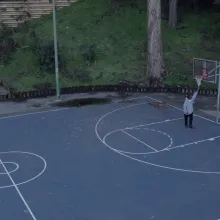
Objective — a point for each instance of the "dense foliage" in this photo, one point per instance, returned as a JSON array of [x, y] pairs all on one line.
[[105, 42]]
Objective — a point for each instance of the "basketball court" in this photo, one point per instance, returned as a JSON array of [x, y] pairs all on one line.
[[125, 160], [128, 160]]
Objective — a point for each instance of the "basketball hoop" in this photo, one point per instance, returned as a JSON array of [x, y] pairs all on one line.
[[199, 78], [209, 71]]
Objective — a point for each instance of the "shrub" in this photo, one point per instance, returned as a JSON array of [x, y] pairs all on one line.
[[4, 31], [45, 55], [80, 75], [8, 44], [211, 29], [90, 54]]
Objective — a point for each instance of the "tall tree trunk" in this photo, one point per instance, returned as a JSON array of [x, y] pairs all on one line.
[[173, 13], [155, 48]]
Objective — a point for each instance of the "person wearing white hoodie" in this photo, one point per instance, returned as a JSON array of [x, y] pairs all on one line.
[[188, 109]]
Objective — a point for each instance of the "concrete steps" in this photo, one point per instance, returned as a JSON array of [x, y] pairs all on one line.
[[15, 12]]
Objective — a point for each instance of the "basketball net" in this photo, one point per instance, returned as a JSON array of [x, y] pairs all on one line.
[[199, 79]]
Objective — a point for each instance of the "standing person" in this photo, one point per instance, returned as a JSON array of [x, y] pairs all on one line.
[[188, 109]]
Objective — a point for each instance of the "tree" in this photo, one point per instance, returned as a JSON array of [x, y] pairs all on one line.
[[164, 9], [155, 50], [173, 13]]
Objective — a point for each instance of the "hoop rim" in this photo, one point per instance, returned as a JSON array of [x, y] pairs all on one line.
[[201, 76], [203, 68]]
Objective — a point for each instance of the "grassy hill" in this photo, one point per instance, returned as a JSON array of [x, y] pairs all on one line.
[[117, 43]]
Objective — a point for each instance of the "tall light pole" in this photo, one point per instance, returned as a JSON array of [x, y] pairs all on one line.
[[56, 52]]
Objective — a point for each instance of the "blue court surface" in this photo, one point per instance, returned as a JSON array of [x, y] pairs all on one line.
[[118, 161]]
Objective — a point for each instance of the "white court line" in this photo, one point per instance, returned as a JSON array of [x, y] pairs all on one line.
[[56, 110], [18, 191], [141, 161], [137, 127], [170, 148], [61, 109], [143, 125], [33, 113], [153, 123], [171, 139], [108, 134], [145, 162], [139, 140], [148, 97], [179, 109], [143, 97], [129, 99], [195, 142]]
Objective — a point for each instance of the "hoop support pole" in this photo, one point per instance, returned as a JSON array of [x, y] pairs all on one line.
[[218, 96], [214, 70]]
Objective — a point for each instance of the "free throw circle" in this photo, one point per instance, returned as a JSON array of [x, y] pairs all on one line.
[[19, 159], [167, 139], [10, 170]]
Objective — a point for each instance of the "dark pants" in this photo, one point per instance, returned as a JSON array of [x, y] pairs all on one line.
[[188, 118]]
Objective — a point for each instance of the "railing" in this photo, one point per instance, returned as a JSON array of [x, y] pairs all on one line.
[[14, 12]]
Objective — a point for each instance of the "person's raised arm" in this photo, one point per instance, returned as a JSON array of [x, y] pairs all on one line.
[[195, 95]]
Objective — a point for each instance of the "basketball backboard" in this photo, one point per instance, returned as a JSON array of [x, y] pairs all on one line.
[[209, 71], [207, 68]]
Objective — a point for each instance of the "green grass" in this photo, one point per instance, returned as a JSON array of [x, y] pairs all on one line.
[[119, 40], [181, 46]]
